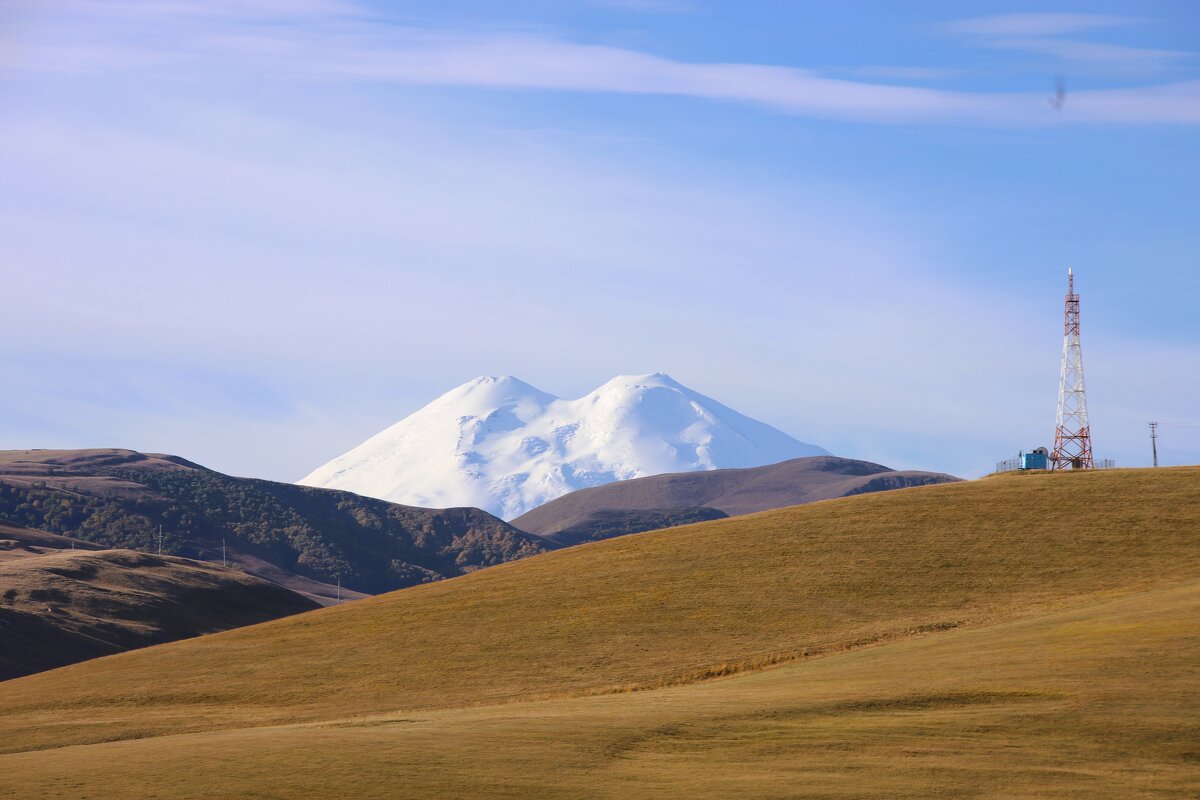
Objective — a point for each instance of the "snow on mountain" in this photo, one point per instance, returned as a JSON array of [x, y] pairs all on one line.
[[506, 447]]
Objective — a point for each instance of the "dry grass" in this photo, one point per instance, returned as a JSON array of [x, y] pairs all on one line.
[[892, 575], [17, 543], [61, 606], [1095, 702]]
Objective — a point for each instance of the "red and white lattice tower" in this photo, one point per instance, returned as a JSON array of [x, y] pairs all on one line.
[[1073, 436]]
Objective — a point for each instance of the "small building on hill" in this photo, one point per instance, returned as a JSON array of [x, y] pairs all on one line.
[[1038, 458]]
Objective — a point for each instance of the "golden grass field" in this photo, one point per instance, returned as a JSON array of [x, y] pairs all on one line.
[[1019, 636]]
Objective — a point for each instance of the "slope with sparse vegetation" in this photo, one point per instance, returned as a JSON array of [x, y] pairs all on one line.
[[59, 606], [120, 498]]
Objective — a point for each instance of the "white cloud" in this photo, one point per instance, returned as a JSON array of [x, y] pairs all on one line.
[[358, 270], [903, 73], [339, 46], [1036, 24], [1174, 102], [1043, 34], [645, 6], [1094, 52], [386, 266], [160, 9]]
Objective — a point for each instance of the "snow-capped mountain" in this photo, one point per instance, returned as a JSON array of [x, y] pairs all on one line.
[[506, 447]]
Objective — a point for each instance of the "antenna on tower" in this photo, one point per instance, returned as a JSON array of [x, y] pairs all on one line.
[[1072, 434]]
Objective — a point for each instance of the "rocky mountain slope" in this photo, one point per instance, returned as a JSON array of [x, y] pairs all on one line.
[[662, 501], [501, 445]]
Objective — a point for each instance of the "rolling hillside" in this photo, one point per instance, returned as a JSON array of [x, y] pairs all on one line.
[[1098, 701], [59, 606], [19, 543], [605, 523], [303, 538], [660, 501], [914, 629]]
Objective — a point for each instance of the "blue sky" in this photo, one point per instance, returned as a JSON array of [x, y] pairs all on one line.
[[254, 233]]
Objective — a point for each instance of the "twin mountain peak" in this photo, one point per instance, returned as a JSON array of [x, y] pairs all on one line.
[[507, 447]]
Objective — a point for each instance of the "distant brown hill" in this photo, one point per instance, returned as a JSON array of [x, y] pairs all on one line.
[[681, 498], [304, 538], [18, 543], [60, 605]]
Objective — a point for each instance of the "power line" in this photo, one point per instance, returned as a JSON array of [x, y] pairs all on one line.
[[1154, 441]]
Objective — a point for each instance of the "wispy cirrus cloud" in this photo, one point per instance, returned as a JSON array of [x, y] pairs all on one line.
[[902, 73], [331, 42], [1043, 34], [1074, 50], [232, 9], [1036, 24], [645, 6], [186, 147]]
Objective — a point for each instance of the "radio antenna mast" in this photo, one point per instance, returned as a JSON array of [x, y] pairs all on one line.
[[1072, 435]]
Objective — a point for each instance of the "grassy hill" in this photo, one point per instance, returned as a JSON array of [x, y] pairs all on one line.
[[1093, 702], [610, 523], [681, 498], [120, 498], [1019, 636], [17, 542], [59, 606]]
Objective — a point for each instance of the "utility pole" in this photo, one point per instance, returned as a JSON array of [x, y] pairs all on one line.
[[1154, 441], [1072, 435], [160, 540], [339, 589], [224, 563]]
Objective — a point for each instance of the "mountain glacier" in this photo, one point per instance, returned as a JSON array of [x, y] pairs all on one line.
[[504, 446]]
